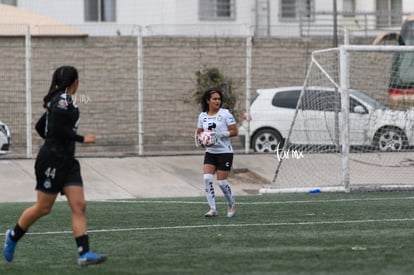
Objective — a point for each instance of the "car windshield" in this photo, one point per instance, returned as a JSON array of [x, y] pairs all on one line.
[[368, 100]]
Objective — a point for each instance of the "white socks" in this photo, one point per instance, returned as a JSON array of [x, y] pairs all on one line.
[[225, 187], [209, 189]]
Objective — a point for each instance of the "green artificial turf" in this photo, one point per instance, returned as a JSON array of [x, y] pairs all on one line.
[[324, 233]]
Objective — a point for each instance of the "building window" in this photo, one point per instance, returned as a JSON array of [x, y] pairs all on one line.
[[297, 9], [217, 9], [348, 8], [9, 2], [389, 13], [100, 10]]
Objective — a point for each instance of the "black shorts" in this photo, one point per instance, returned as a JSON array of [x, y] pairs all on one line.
[[222, 162], [53, 173]]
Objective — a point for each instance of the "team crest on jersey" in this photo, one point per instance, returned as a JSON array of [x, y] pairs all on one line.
[[63, 104], [219, 117]]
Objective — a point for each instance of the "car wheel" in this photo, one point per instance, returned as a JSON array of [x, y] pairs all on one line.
[[390, 140], [267, 141]]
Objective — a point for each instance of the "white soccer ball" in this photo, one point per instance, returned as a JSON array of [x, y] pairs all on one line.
[[208, 138]]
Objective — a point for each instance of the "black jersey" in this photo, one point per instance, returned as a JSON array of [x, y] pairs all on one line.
[[58, 125]]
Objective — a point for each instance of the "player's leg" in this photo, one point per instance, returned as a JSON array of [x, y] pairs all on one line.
[[77, 204], [223, 170], [225, 188], [42, 207], [209, 189]]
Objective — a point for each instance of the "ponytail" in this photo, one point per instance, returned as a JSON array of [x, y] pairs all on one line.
[[62, 78]]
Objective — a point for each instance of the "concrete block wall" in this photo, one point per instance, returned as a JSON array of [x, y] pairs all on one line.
[[108, 97]]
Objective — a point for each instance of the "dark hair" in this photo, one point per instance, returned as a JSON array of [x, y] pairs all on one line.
[[62, 78], [207, 95]]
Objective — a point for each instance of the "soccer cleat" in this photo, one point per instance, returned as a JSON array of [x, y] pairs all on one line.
[[9, 247], [89, 258], [232, 210], [211, 213]]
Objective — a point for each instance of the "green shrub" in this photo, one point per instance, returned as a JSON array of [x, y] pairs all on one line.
[[212, 78]]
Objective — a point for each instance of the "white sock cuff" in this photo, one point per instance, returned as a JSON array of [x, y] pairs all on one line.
[[208, 177], [222, 183]]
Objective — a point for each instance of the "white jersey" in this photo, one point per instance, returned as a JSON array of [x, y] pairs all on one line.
[[219, 123]]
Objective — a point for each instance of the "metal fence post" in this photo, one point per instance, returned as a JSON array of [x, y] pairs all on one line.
[[28, 93], [248, 88], [344, 90], [140, 83]]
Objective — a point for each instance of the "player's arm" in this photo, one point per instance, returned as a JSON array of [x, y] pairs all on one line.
[[197, 137], [89, 138], [233, 130], [61, 127], [41, 126], [63, 131], [231, 126]]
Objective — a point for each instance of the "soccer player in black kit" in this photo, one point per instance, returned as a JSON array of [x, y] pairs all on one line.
[[57, 170]]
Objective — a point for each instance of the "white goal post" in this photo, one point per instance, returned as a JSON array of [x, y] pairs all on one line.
[[353, 127]]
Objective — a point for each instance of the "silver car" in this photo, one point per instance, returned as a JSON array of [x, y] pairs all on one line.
[[319, 120], [5, 139]]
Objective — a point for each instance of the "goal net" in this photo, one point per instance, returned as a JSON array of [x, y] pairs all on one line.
[[353, 127]]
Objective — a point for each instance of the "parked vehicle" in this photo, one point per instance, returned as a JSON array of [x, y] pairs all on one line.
[[371, 123], [4, 139]]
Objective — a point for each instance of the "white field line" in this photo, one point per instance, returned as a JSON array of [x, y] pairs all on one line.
[[258, 203], [184, 227], [237, 225]]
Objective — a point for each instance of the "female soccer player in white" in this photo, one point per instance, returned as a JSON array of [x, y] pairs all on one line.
[[218, 157]]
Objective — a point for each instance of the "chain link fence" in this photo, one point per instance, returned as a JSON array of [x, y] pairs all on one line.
[[134, 90]]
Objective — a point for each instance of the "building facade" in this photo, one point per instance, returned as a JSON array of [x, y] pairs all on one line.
[[221, 17]]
